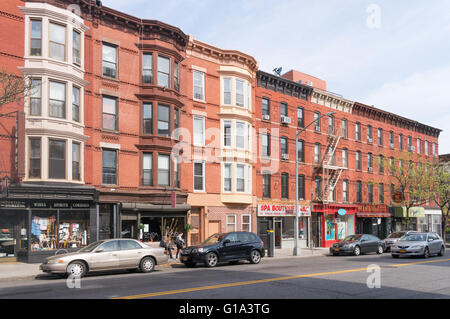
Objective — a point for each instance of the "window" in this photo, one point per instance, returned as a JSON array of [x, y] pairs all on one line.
[[300, 117], [36, 38], [227, 178], [301, 187], [381, 164], [227, 133], [240, 135], [176, 123], [76, 174], [284, 146], [76, 49], [369, 134], [240, 178], [344, 128], [75, 104], [358, 192], [109, 113], [176, 171], [317, 121], [147, 169], [246, 223], [283, 109], [35, 97], [110, 246], [265, 108], [227, 91], [163, 170], [426, 148], [163, 120], [176, 76], [199, 85], [240, 93], [370, 162], [266, 184], [344, 158], [265, 144], [109, 60], [392, 192], [199, 131], [284, 185], [380, 136], [199, 176], [231, 223], [391, 139], [35, 158], [163, 71], [358, 160], [147, 114], [381, 193], [358, 131], [400, 142], [57, 100], [409, 144], [301, 151], [109, 167], [331, 124], [129, 244], [318, 187], [434, 149], [317, 155], [345, 190], [57, 37], [147, 68], [370, 192], [57, 159], [419, 142]]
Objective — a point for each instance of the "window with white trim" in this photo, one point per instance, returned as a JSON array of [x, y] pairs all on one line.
[[231, 223], [246, 222], [199, 85], [199, 176], [199, 131]]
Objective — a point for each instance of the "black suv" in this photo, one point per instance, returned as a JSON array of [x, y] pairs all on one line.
[[230, 247]]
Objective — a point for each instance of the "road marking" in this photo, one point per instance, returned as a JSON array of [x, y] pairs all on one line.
[[252, 282]]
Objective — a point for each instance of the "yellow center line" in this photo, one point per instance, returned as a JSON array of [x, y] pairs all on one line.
[[252, 282]]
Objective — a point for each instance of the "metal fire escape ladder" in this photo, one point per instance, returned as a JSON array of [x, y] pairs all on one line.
[[331, 170]]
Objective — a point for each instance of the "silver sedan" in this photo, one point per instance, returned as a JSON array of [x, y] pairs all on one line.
[[418, 244], [112, 254]]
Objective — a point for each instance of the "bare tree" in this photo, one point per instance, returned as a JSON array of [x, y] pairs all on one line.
[[440, 192], [13, 88]]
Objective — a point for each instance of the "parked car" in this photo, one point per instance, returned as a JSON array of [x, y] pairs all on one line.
[[419, 244], [357, 245], [230, 247], [112, 254], [394, 237]]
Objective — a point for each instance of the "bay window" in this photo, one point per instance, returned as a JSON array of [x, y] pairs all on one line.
[[57, 100], [57, 159], [57, 38]]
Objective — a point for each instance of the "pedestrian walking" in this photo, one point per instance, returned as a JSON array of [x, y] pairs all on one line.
[[179, 241], [165, 242]]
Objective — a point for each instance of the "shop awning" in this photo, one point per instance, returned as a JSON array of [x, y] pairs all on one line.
[[414, 212], [372, 215]]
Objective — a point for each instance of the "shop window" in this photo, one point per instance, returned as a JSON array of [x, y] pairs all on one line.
[[43, 231], [36, 38], [13, 233], [73, 231], [330, 227]]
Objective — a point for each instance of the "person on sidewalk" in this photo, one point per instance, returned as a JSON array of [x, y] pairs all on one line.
[[165, 242], [179, 241]]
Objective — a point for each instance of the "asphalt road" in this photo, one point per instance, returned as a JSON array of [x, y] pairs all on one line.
[[325, 277]]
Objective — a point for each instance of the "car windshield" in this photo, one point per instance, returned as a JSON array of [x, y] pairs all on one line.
[[352, 238], [214, 239], [415, 237], [90, 247], [396, 235]]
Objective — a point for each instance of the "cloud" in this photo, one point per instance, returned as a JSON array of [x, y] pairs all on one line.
[[422, 96]]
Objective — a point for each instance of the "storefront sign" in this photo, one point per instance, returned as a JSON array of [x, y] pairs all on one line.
[[40, 205], [81, 205], [342, 212], [61, 205], [413, 212], [268, 210], [13, 204], [369, 208]]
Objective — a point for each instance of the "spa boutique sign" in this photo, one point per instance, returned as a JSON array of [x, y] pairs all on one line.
[[273, 210]]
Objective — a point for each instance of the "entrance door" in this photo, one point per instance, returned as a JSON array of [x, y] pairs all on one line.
[[316, 226], [277, 233], [213, 227]]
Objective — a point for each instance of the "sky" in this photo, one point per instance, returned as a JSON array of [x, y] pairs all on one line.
[[394, 55]]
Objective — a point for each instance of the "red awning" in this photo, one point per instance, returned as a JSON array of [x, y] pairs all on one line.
[[370, 215]]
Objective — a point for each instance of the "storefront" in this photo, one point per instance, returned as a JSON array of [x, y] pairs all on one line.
[[281, 219], [331, 223], [402, 221], [38, 221], [374, 220], [431, 222]]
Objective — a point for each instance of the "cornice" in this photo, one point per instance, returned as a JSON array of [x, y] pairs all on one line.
[[56, 133], [53, 73], [279, 84]]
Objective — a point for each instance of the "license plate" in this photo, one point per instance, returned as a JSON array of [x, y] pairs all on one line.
[[336, 249], [403, 251], [185, 258]]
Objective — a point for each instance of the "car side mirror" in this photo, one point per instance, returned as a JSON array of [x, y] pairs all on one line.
[[226, 241], [99, 250], [430, 239]]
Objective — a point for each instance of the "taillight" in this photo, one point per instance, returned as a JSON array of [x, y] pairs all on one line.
[[262, 243], [165, 252]]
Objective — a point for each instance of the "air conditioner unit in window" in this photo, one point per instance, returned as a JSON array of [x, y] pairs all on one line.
[[369, 140], [266, 117], [285, 120], [412, 148], [392, 145], [285, 157], [370, 169]]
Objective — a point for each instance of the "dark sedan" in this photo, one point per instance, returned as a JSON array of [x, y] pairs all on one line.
[[230, 247], [357, 245]]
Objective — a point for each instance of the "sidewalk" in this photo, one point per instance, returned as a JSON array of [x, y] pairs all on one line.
[[21, 271]]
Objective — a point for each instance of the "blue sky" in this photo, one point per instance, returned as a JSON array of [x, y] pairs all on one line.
[[394, 55]]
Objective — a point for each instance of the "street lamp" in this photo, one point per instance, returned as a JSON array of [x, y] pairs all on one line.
[[297, 250]]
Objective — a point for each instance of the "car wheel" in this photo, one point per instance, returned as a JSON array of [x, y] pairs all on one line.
[[442, 251], [211, 259], [255, 257], [76, 269], [357, 251], [426, 253], [147, 264], [380, 250], [395, 256]]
